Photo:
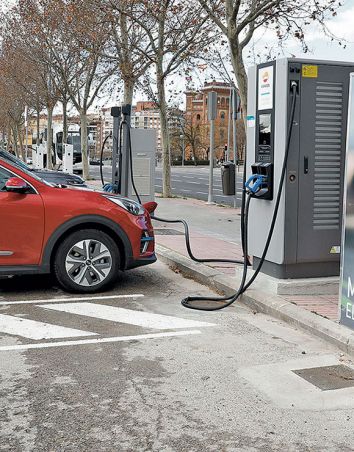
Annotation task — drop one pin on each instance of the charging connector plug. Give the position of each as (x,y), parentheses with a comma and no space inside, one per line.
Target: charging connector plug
(256,185)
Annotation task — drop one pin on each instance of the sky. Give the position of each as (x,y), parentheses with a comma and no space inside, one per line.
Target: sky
(342,26)
(320,46)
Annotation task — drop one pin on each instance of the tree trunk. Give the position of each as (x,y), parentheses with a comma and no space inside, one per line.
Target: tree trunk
(240,73)
(49,137)
(9,137)
(20,142)
(128,91)
(38,125)
(14,135)
(194,154)
(65,120)
(84,150)
(166,160)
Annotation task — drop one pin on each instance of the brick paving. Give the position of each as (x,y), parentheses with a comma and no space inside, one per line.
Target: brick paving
(207,246)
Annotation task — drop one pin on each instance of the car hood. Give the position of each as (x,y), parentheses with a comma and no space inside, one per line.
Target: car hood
(58,177)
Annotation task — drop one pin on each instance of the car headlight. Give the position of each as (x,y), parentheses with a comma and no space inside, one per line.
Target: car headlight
(131,206)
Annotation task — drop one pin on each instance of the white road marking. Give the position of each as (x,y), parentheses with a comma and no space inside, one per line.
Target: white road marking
(58,300)
(129,316)
(201,193)
(32,329)
(102,340)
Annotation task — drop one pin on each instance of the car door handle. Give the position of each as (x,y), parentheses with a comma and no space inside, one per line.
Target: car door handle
(306,165)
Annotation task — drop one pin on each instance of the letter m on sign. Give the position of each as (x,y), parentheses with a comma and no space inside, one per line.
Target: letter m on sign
(350,288)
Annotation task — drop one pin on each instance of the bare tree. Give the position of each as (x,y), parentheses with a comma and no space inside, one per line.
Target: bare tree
(21,38)
(92,70)
(176,31)
(124,37)
(238,20)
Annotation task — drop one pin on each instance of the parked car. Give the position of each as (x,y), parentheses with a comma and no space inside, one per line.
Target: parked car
(55,177)
(82,236)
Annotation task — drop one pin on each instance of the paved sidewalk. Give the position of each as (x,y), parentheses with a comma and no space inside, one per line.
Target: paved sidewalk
(215,232)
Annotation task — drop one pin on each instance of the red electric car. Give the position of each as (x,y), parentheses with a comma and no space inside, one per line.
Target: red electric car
(83,236)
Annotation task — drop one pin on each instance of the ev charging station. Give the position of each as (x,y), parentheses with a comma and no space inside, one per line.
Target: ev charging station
(307,233)
(133,157)
(68,158)
(38,156)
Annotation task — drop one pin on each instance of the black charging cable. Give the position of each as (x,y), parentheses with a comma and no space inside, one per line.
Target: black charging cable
(101,157)
(246,199)
(186,302)
(164,220)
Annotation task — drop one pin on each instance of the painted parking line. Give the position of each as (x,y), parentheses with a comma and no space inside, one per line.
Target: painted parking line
(31,329)
(60,300)
(103,340)
(128,316)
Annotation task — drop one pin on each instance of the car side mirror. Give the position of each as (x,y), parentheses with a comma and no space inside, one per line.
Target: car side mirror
(16,185)
(150,206)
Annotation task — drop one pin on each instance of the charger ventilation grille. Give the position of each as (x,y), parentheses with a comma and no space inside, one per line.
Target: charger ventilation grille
(328,156)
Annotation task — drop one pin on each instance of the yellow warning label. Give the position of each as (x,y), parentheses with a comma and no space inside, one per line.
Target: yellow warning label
(309,71)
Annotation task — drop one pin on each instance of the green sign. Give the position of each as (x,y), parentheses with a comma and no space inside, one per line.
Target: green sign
(347,273)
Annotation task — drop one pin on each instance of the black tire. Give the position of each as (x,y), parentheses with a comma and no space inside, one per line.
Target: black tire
(87,261)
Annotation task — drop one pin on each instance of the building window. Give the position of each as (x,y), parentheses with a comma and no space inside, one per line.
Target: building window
(198,117)
(222,115)
(223,101)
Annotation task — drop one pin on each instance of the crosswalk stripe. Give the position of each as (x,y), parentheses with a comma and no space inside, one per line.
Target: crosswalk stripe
(56,300)
(32,329)
(131,317)
(100,340)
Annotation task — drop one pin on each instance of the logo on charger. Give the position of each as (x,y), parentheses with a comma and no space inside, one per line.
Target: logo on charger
(265,77)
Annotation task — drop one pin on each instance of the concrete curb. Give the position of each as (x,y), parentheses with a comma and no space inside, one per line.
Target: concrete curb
(273,305)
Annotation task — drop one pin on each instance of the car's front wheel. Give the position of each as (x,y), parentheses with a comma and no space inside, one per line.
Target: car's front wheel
(87,261)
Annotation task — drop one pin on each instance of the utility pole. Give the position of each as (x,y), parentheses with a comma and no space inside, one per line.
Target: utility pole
(212,103)
(229,126)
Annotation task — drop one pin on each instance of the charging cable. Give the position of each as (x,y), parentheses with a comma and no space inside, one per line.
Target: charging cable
(248,193)
(243,285)
(164,220)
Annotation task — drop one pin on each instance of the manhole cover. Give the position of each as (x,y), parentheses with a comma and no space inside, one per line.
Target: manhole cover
(328,377)
(166,231)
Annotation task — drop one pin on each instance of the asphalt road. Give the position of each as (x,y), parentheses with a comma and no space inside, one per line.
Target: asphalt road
(193,182)
(136,372)
(189,181)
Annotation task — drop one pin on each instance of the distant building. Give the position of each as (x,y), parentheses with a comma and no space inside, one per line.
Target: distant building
(196,116)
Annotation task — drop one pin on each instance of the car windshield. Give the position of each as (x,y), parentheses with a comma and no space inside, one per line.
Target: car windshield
(13,160)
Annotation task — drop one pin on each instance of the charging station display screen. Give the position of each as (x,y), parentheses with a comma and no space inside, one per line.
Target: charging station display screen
(265,129)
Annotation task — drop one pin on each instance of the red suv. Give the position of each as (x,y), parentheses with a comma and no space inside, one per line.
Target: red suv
(81,235)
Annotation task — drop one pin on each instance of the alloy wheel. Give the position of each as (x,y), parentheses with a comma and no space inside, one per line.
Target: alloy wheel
(88,262)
